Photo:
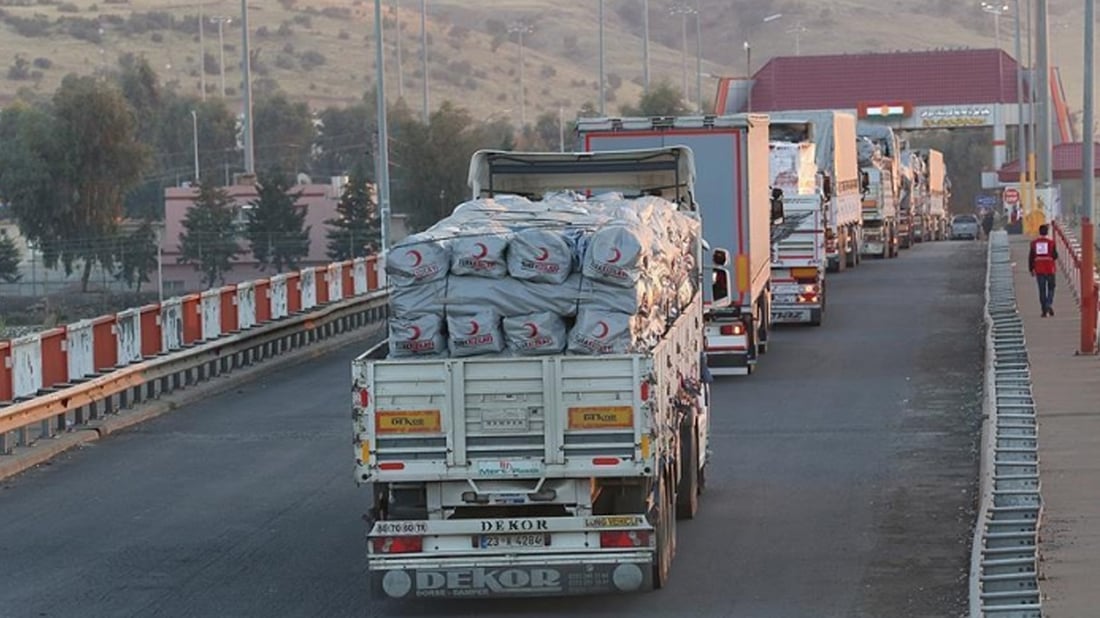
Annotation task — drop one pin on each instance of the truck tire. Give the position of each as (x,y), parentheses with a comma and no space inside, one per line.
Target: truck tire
(665,526)
(687,493)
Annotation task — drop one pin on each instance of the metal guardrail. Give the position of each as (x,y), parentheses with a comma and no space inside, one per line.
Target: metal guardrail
(77,405)
(1006,539)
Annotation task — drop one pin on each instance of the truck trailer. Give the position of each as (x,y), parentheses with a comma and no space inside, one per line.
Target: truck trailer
(835,143)
(521,476)
(731,159)
(798,237)
(879,179)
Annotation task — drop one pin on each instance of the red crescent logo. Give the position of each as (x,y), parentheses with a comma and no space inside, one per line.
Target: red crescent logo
(417,258)
(416,333)
(604,329)
(543,256)
(534,330)
(616,255)
(474,327)
(483,250)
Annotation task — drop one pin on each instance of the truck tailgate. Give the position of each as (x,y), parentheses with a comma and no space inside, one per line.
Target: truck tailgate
(497,418)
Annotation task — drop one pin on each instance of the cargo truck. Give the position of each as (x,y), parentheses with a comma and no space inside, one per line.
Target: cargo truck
(798,238)
(937,189)
(731,159)
(835,143)
(529,476)
(879,179)
(919,199)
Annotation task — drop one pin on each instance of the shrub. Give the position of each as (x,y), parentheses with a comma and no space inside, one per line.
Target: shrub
(43,63)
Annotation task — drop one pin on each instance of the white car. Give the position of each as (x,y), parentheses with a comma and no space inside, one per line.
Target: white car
(964,226)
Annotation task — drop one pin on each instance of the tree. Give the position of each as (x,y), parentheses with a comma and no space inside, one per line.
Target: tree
(9,260)
(209,240)
(284,133)
(66,172)
(276,229)
(343,139)
(663,99)
(137,256)
(356,225)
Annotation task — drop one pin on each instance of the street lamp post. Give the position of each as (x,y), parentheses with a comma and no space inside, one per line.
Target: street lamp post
(798,31)
(748,76)
(195,140)
(246,87)
(222,21)
(698,58)
(1088,155)
(202,53)
(397,38)
(1021,132)
(996,10)
(520,28)
(683,10)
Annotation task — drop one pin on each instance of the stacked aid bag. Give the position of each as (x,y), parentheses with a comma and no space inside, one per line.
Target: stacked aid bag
(563,274)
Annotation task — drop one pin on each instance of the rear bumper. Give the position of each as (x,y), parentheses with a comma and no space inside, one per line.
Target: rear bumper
(873,247)
(513,576)
(728,363)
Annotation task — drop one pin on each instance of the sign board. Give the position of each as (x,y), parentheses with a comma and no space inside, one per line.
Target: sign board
(985,200)
(1012,196)
(956,116)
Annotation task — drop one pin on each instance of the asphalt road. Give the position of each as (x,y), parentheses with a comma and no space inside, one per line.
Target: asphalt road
(842,484)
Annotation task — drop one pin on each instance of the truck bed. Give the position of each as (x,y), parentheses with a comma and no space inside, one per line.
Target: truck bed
(489,418)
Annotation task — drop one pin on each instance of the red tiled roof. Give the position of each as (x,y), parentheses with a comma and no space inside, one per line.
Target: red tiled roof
(1066,163)
(937,77)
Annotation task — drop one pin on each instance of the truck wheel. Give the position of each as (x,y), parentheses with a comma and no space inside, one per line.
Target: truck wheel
(666,532)
(687,493)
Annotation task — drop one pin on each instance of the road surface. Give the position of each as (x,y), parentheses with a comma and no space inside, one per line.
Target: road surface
(842,484)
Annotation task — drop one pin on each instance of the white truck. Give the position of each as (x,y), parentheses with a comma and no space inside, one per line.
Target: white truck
(798,238)
(835,143)
(880,177)
(938,190)
(731,157)
(536,476)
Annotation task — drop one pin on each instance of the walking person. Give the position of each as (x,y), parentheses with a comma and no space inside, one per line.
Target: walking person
(1041,262)
(987,223)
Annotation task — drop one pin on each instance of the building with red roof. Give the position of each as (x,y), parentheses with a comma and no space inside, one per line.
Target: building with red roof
(931,89)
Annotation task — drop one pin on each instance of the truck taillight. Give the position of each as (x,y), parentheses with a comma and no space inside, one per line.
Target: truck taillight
(643,390)
(364,397)
(398,545)
(624,538)
(732,330)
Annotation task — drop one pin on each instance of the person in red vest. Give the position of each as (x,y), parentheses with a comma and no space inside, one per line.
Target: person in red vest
(1041,263)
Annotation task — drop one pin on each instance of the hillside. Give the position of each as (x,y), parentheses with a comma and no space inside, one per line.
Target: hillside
(322,50)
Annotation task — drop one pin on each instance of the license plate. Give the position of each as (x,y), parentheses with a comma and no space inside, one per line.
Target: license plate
(781,299)
(504,420)
(802,315)
(509,467)
(489,541)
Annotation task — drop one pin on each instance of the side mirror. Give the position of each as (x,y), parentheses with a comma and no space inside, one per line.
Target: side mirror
(827,187)
(864,182)
(777,206)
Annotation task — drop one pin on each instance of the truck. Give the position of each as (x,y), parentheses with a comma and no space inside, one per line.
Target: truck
(937,191)
(879,179)
(731,158)
(798,238)
(496,476)
(919,202)
(835,143)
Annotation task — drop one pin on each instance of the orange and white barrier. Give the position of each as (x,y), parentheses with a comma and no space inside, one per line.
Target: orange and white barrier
(82,350)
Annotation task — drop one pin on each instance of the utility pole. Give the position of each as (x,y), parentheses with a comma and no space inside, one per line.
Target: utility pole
(561,129)
(520,28)
(202,53)
(246,87)
(603,79)
(645,46)
(1043,60)
(797,31)
(383,147)
(424,57)
(748,76)
(222,21)
(1021,133)
(698,58)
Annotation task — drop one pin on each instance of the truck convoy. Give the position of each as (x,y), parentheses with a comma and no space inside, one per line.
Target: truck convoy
(930,188)
(539,417)
(731,158)
(879,180)
(835,143)
(798,238)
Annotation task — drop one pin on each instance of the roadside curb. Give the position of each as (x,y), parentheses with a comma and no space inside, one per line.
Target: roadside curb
(44,450)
